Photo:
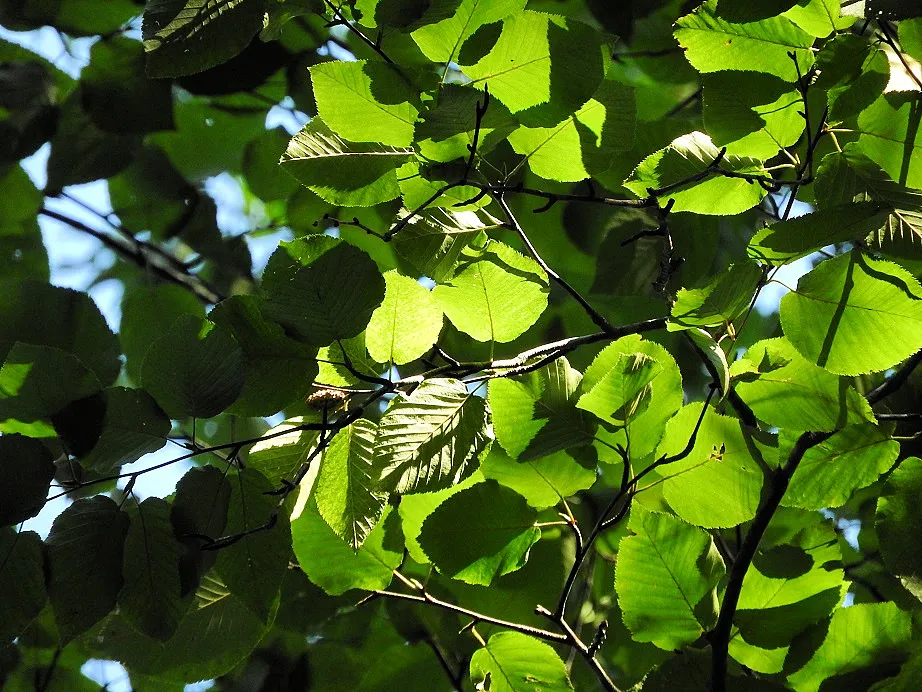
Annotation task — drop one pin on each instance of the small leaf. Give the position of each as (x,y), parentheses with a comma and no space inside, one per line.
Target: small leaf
(495,294)
(84,551)
(345,487)
(898,519)
(890,136)
(618,396)
(22,580)
(187,36)
(334,566)
(544,481)
(321,289)
(688,156)
(341,172)
(279,370)
(195,369)
(480,534)
(792,239)
(786,391)
(847,303)
(432,438)
(150,598)
(515,662)
(406,324)
(432,242)
(716,301)
(862,635)
(712,44)
(365,101)
(536,414)
(664,570)
(831,471)
(26,471)
(253,567)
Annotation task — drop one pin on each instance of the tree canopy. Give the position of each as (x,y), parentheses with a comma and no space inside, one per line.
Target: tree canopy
(499,345)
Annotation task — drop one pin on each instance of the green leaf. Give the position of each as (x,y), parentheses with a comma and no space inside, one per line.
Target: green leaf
(787,392)
(84,552)
(898,519)
(544,481)
(321,289)
(116,93)
(365,102)
(406,324)
(36,382)
(644,430)
(542,62)
(851,176)
(280,456)
(718,484)
(861,635)
(279,370)
(664,571)
(253,567)
(716,301)
(415,509)
(495,294)
(345,487)
(853,72)
(148,312)
(586,141)
(133,425)
(844,305)
(195,369)
(890,136)
(444,132)
(187,36)
(831,471)
(789,587)
(623,390)
(264,176)
(22,580)
(82,152)
(711,349)
(712,44)
(751,113)
(910,35)
(514,662)
(334,566)
(90,338)
(480,534)
(21,248)
(441,40)
(536,414)
(26,470)
(792,239)
(341,172)
(689,156)
(150,598)
(187,656)
(432,242)
(432,438)
(819,17)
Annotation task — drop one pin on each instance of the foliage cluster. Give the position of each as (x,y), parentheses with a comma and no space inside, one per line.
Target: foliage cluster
(498,412)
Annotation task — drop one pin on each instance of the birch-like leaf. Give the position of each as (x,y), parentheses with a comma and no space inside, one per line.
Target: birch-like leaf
(432,438)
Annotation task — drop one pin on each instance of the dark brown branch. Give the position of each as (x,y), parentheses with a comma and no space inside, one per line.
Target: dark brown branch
(171,270)
(895,381)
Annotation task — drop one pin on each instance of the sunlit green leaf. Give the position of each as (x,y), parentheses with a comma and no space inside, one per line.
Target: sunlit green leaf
(406,324)
(544,481)
(515,662)
(890,136)
(844,305)
(664,571)
(441,40)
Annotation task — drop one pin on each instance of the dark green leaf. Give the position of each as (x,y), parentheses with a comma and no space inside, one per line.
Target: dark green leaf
(480,533)
(22,580)
(26,470)
(195,369)
(431,439)
(84,551)
(321,289)
(898,519)
(150,598)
